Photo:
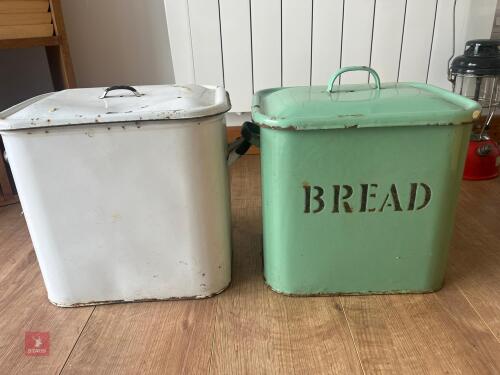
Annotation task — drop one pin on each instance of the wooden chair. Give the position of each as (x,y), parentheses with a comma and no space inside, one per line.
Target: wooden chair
(35,23)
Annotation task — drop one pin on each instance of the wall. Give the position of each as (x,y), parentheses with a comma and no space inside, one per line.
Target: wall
(118,42)
(495,33)
(111,42)
(23,73)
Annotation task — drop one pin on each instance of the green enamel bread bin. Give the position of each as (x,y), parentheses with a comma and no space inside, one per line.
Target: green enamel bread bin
(359,184)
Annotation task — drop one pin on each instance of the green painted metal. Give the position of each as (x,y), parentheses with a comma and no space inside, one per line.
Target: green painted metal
(338,73)
(391,233)
(395,104)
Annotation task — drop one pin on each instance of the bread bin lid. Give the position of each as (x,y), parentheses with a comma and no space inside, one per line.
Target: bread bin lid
(116,104)
(362,105)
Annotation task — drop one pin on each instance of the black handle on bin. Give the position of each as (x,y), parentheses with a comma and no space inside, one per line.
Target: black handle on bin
(242,148)
(120,87)
(251,133)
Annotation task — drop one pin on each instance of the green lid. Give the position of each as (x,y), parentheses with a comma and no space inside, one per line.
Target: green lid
(346,106)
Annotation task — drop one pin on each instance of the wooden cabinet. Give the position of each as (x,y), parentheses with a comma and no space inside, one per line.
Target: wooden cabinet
(35,23)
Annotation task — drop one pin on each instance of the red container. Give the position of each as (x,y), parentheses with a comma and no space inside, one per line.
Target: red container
(482,161)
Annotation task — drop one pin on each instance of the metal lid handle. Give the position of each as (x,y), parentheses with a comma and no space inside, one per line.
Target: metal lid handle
(120,87)
(352,69)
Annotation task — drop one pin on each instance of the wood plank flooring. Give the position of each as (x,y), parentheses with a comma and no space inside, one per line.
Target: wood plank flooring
(249,329)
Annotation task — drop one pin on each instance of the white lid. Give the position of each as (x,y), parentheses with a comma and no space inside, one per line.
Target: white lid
(121,104)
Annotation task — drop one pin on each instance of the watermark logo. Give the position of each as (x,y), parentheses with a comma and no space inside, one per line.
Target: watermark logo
(36,343)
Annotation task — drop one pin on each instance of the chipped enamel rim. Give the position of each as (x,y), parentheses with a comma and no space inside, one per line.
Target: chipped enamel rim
(469,110)
(173,102)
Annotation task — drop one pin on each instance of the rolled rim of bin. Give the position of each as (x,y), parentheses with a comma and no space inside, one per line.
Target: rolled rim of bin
(328,115)
(194,101)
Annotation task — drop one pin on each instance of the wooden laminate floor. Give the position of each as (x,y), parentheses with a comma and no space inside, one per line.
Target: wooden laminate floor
(249,329)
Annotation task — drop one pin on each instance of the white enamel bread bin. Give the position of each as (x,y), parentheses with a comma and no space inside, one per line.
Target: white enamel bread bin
(125,191)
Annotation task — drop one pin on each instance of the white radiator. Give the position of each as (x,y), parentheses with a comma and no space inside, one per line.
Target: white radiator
(249,45)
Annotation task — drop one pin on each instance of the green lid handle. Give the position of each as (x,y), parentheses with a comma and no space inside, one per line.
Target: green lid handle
(353,69)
